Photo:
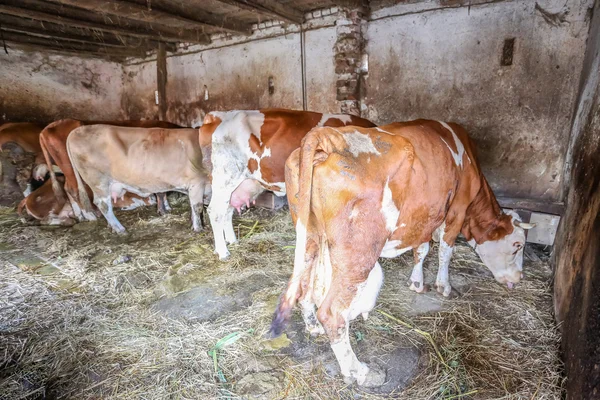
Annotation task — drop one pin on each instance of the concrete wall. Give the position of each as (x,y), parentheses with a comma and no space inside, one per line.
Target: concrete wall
(43,87)
(235,72)
(577,249)
(444,63)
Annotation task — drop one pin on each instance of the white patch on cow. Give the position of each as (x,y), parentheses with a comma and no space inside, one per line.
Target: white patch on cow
(504,257)
(383,131)
(402,225)
(349,365)
(388,208)
(266,153)
(344,118)
(299,264)
(323,274)
(136,202)
(354,213)
(359,143)
(27,190)
(445,254)
(366,294)
(230,155)
(417,273)
(391,250)
(458,156)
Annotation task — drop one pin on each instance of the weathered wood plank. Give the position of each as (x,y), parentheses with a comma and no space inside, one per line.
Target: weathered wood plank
(271,8)
(547,207)
(71,46)
(156,16)
(184,35)
(161,81)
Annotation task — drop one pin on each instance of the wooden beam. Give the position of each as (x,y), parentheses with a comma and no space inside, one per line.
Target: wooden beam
(548,207)
(73,47)
(141,13)
(189,36)
(161,81)
(271,8)
(17,24)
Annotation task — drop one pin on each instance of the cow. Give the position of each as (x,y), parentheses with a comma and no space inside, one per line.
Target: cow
(53,141)
(358,194)
(25,135)
(43,206)
(245,153)
(113,160)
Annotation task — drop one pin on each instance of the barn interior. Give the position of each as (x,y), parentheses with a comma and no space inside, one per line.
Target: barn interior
(89,314)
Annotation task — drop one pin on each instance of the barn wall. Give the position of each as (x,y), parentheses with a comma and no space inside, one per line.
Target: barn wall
(431,61)
(577,249)
(43,87)
(235,72)
(235,77)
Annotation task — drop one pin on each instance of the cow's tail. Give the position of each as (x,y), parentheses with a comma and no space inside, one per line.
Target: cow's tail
(86,204)
(310,145)
(22,205)
(57,188)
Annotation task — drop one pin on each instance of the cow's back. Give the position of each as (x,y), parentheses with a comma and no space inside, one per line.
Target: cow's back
(24,134)
(149,158)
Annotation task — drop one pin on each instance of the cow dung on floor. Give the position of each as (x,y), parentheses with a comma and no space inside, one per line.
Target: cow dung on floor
(155,314)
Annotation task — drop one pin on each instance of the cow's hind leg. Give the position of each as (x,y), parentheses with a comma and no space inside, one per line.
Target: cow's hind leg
(230,237)
(104,204)
(344,301)
(307,285)
(416,277)
(162,204)
(196,195)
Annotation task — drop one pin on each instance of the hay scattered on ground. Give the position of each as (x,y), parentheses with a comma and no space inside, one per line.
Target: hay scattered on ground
(77,318)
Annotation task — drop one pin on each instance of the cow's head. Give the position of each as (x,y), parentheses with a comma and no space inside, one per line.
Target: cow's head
(502,248)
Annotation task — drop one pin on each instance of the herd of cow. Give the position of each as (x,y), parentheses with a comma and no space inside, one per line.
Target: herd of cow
(356,192)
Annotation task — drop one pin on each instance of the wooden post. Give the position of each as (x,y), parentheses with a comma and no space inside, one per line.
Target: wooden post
(161,80)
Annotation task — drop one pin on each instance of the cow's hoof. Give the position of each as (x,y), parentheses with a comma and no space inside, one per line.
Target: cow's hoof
(443,289)
(223,257)
(418,287)
(374,378)
(315,330)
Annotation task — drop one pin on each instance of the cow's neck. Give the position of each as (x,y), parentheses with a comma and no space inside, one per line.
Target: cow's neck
(483,215)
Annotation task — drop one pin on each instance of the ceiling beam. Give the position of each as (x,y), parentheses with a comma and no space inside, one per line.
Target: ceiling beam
(271,8)
(140,13)
(70,46)
(186,35)
(17,24)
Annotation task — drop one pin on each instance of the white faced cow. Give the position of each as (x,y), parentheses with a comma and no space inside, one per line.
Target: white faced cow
(357,194)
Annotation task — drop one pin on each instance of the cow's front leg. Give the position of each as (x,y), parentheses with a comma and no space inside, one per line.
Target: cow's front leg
(217,213)
(104,204)
(416,277)
(442,281)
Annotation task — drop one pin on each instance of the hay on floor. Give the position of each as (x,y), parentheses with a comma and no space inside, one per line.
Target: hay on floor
(78,318)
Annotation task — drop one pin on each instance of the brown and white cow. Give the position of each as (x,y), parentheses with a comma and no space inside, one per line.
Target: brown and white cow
(25,135)
(358,194)
(53,141)
(43,206)
(245,152)
(114,160)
